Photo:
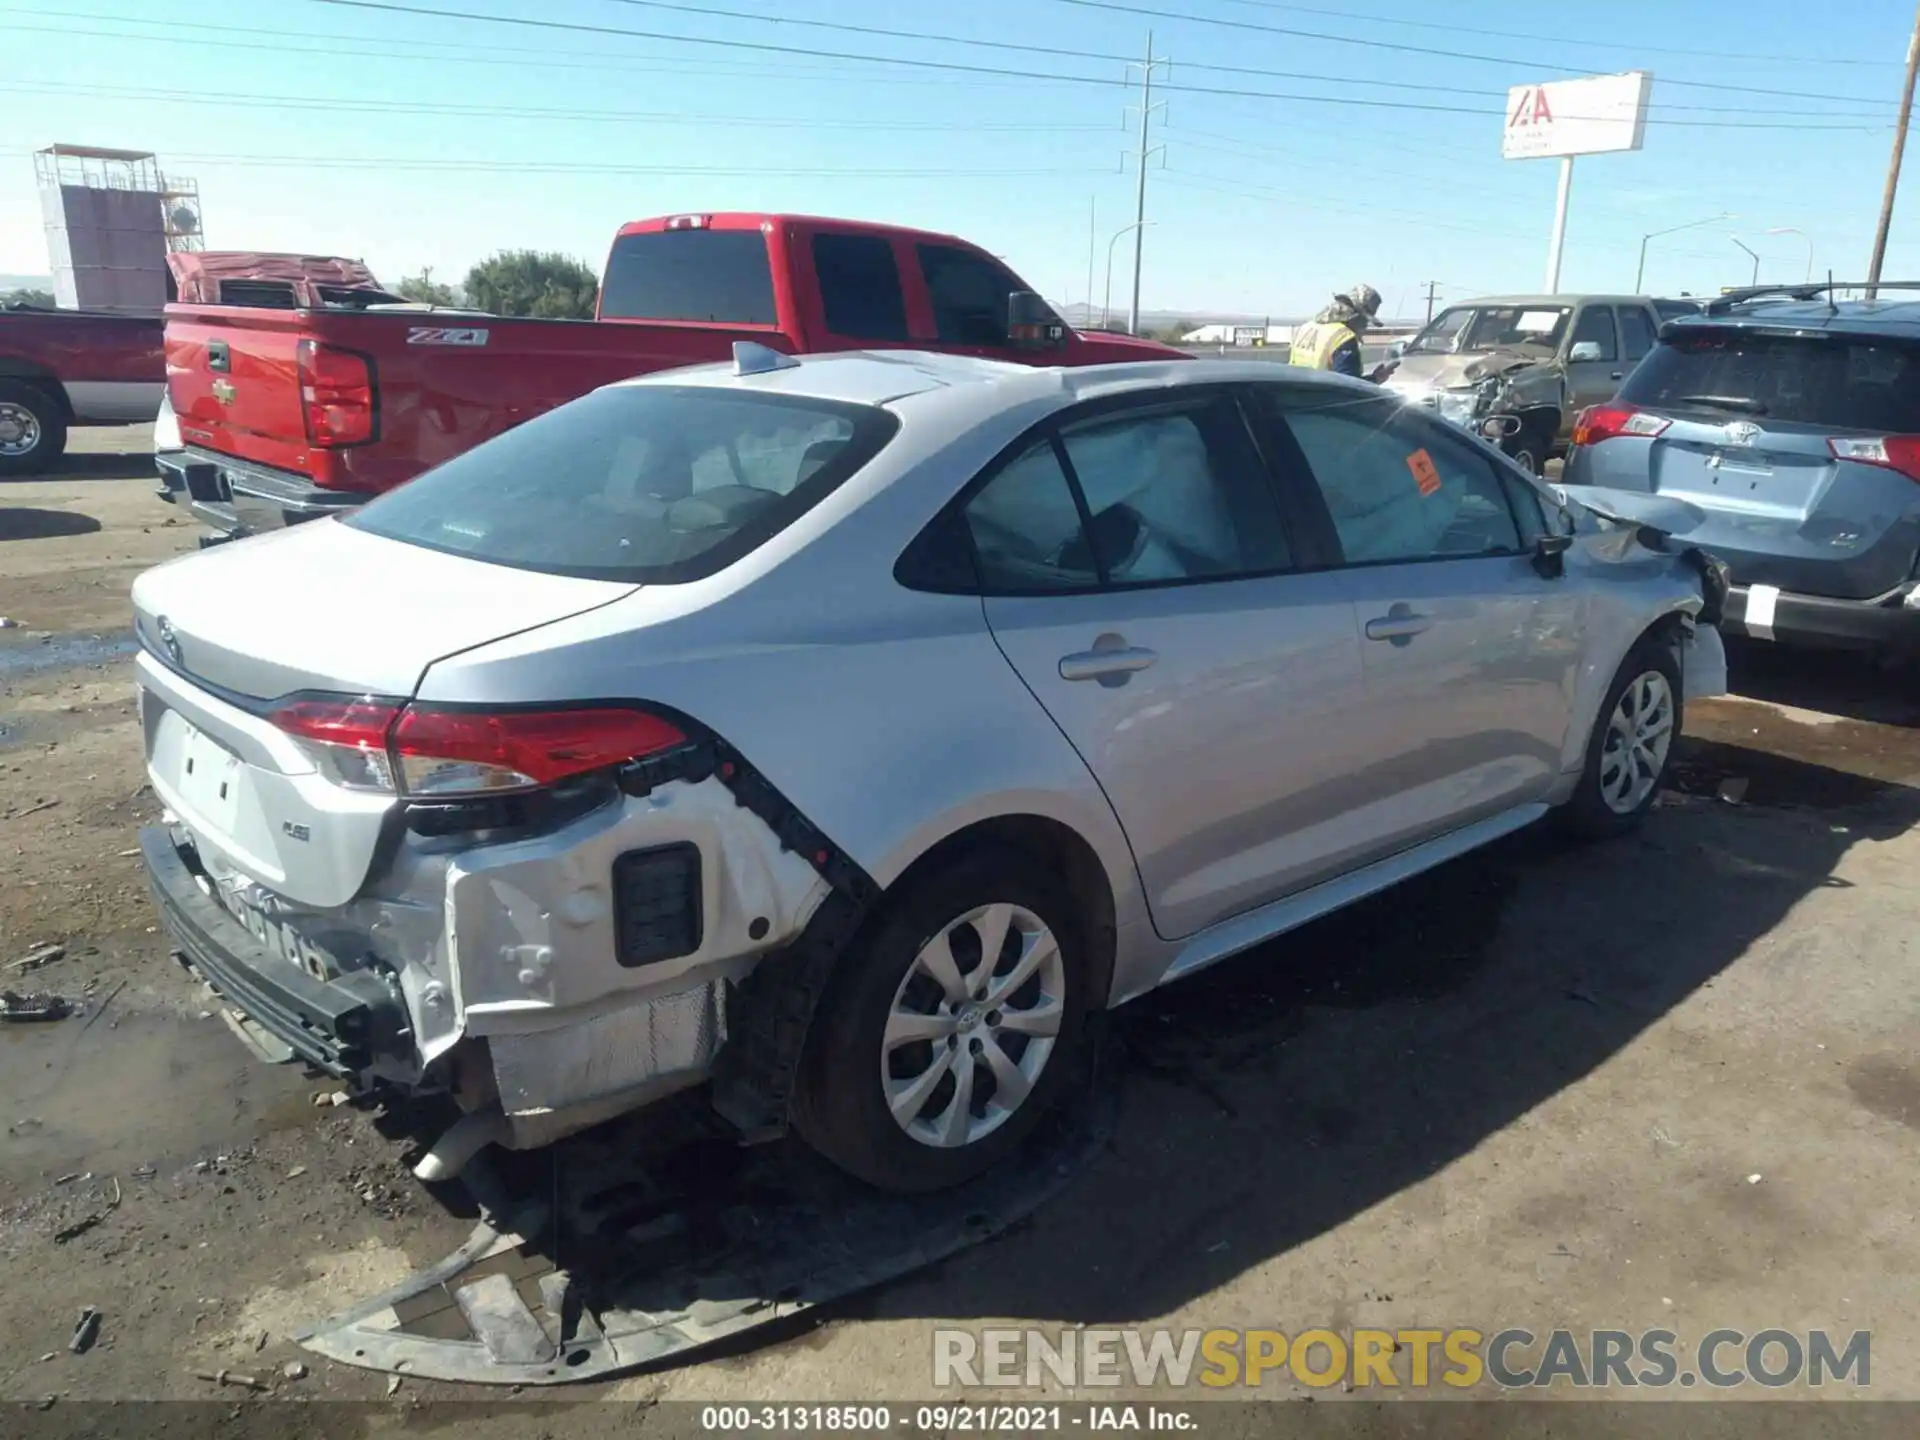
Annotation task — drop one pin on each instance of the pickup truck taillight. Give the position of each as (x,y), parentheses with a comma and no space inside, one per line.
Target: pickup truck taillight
(336,395)
(429,752)
(1604,422)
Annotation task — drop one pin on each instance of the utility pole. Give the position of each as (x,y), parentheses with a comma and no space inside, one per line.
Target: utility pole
(1433,288)
(1093,201)
(1893,165)
(1140,199)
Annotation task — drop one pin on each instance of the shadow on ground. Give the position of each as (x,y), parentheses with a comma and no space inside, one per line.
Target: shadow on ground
(1830,682)
(19,523)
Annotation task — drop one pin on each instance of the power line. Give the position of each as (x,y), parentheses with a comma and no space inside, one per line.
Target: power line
(543,167)
(1636,48)
(405,107)
(1150,13)
(953,65)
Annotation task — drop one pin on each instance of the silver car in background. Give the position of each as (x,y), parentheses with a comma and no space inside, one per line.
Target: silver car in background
(849,732)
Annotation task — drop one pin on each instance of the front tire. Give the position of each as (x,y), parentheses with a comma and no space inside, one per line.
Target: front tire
(1528,449)
(952,1029)
(1631,746)
(33,430)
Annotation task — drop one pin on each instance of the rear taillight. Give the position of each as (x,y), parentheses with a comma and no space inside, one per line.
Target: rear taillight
(1604,422)
(336,395)
(437,753)
(1894,452)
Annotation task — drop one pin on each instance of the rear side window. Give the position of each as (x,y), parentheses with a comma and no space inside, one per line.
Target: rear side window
(860,286)
(1841,382)
(642,484)
(722,276)
(969,294)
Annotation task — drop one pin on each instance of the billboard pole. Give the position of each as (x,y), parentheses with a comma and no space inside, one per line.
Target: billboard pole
(1559,240)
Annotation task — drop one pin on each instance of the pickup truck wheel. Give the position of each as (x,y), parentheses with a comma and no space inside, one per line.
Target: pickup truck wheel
(1631,746)
(33,431)
(951,1031)
(1528,448)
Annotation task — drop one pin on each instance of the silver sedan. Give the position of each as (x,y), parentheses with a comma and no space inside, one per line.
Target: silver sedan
(845,733)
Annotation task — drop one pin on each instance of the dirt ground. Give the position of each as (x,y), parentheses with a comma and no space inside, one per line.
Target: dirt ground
(1666,1082)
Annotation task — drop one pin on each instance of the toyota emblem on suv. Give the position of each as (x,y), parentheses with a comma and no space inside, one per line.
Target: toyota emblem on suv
(1743,432)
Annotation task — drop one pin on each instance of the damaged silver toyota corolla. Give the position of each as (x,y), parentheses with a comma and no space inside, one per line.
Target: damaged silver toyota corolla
(848,733)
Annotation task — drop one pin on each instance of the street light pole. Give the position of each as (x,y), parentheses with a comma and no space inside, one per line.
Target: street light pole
(1640,275)
(1106,306)
(1756,259)
(1140,195)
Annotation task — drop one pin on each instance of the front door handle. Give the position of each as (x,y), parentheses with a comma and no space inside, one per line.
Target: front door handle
(1109,667)
(1403,626)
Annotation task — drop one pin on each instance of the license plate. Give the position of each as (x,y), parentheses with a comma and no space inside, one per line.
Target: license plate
(210,779)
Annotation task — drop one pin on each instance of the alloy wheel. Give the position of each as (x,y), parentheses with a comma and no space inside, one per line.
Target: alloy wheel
(972,1025)
(1639,734)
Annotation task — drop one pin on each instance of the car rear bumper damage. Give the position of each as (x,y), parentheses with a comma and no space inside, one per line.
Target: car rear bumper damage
(1886,622)
(237,498)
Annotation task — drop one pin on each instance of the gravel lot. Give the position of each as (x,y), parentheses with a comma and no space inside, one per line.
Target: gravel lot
(1666,1082)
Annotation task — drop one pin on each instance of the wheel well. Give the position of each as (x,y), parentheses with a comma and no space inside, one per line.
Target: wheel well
(1051,844)
(25,372)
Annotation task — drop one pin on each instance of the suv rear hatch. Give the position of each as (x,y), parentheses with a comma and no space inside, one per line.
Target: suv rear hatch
(232,635)
(1791,443)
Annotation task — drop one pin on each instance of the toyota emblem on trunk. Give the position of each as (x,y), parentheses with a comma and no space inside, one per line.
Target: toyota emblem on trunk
(168,639)
(1743,433)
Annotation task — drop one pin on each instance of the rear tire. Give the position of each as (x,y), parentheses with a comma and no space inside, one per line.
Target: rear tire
(33,429)
(1631,747)
(929,1061)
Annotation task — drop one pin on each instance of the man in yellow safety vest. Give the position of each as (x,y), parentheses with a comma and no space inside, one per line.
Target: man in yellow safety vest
(1331,341)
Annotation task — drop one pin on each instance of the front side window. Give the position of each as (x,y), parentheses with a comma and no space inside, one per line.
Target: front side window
(1636,332)
(1398,487)
(1596,325)
(639,484)
(969,294)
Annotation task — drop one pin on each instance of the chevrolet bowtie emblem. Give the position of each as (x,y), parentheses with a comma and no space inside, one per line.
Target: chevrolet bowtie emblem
(223,391)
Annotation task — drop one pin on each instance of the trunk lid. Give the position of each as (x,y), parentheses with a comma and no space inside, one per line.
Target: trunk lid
(319,607)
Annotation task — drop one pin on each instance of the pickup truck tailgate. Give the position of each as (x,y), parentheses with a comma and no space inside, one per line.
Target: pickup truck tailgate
(233,381)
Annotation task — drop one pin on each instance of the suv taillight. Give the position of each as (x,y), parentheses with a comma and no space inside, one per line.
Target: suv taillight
(1893,452)
(1604,422)
(442,753)
(336,395)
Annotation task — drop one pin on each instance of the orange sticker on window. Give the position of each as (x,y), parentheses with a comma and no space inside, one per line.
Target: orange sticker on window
(1424,473)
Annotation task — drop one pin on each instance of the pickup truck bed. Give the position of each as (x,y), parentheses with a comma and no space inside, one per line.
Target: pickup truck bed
(60,368)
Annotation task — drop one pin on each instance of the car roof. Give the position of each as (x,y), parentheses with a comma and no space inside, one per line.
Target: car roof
(890,377)
(1550,301)
(1868,317)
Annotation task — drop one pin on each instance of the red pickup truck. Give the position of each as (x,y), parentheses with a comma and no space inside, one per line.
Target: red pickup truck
(60,368)
(290,415)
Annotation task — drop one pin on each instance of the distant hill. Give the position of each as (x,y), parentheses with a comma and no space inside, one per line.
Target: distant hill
(26,282)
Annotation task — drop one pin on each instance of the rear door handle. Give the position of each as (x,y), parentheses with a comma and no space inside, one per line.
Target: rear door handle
(1397,627)
(1105,664)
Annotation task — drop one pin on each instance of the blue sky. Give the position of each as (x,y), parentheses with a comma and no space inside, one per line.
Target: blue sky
(416,140)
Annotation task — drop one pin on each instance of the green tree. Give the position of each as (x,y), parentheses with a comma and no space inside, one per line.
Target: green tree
(41,298)
(426,290)
(544,285)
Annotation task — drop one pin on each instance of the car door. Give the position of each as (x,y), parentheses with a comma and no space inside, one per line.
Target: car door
(968,293)
(1592,381)
(855,300)
(1469,653)
(1140,574)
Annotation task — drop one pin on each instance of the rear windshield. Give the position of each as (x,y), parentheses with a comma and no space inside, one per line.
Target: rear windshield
(643,484)
(722,276)
(1840,382)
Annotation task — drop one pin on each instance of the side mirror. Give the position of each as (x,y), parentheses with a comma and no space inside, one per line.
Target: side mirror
(1550,555)
(1584,352)
(1032,323)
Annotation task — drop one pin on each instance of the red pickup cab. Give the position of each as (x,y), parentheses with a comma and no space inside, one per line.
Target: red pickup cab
(286,416)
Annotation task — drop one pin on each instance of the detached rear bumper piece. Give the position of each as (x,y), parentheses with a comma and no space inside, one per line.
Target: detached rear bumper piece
(1886,622)
(237,498)
(340,1026)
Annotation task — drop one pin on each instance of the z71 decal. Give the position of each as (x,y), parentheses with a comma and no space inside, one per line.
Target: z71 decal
(434,335)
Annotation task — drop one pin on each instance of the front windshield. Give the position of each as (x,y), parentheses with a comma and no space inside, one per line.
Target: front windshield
(1491,327)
